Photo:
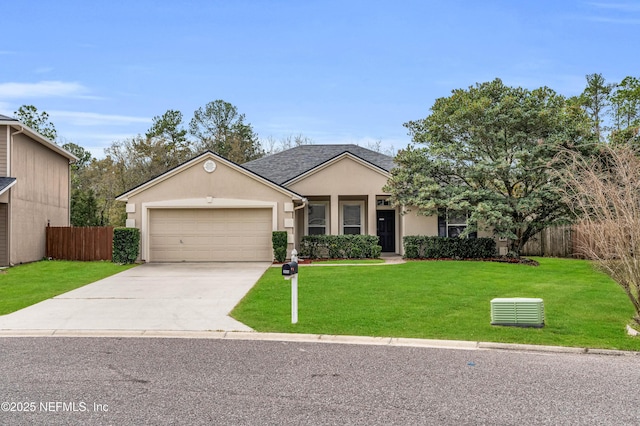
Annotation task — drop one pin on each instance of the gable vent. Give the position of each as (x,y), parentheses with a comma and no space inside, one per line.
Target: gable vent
(517,311)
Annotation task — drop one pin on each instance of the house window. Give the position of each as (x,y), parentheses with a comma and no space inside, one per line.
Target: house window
(453,224)
(317,218)
(352,219)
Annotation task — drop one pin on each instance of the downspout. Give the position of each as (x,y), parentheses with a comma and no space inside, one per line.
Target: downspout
(303,205)
(9,209)
(10,147)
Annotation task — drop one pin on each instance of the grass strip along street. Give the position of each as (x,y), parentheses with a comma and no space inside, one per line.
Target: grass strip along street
(25,285)
(445,300)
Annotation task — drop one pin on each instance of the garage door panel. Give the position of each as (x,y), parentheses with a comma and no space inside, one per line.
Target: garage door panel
(247,241)
(205,235)
(165,255)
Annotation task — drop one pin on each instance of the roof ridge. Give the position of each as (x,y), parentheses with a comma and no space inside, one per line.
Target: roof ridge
(301,159)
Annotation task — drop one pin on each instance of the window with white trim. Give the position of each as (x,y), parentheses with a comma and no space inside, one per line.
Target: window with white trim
(351,217)
(318,218)
(453,224)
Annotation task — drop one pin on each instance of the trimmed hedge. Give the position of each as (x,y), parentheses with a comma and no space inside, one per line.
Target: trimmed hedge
(422,247)
(340,247)
(126,245)
(279,240)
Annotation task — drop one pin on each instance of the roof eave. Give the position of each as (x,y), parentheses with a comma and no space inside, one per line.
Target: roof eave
(39,138)
(338,157)
(6,188)
(169,173)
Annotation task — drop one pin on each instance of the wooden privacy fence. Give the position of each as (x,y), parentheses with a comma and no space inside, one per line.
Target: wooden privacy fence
(557,241)
(82,243)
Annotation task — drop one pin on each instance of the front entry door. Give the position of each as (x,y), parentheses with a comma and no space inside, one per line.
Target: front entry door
(387,230)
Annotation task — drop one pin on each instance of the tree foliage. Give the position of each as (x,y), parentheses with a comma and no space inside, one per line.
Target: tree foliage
(487,152)
(595,100)
(108,178)
(84,208)
(626,103)
(220,128)
(84,205)
(36,120)
(84,156)
(167,140)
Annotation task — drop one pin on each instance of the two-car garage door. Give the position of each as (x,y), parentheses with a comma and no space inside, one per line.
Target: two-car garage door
(210,235)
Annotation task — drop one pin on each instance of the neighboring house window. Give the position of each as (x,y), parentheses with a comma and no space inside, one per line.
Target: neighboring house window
(317,218)
(352,217)
(453,224)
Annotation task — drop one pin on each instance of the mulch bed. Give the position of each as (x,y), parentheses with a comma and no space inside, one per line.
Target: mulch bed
(521,260)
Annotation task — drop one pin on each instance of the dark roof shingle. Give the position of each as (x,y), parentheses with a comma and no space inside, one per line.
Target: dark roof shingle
(5,182)
(286,165)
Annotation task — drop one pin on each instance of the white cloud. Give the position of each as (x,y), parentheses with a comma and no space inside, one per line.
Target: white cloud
(618,13)
(78,118)
(41,89)
(621,21)
(622,7)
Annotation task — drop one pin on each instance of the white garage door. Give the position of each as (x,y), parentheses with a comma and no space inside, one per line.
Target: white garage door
(210,235)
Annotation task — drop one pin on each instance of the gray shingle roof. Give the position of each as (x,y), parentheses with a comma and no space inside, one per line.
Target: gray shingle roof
(5,118)
(5,182)
(286,165)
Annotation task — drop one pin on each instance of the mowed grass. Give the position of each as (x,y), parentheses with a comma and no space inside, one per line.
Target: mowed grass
(25,285)
(445,300)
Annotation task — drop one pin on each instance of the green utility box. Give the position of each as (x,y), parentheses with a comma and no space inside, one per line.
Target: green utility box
(517,312)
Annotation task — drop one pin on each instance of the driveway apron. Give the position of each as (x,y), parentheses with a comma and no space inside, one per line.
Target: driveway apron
(152,296)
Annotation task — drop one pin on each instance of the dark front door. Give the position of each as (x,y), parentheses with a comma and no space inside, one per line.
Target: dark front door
(387,230)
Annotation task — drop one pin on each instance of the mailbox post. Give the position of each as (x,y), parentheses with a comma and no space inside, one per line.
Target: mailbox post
(290,272)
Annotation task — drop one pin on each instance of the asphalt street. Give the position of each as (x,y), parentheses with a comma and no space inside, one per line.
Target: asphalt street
(67,381)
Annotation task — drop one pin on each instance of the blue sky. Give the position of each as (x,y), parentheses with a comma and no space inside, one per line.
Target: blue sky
(335,71)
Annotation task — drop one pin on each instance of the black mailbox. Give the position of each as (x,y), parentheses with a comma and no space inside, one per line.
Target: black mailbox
(290,268)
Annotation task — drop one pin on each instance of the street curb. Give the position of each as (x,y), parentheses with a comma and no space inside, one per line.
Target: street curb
(318,338)
(531,348)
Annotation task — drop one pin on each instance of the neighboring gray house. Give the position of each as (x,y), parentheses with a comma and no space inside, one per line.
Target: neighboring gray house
(34,191)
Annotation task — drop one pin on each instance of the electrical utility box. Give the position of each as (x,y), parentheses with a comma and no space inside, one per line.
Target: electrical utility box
(517,312)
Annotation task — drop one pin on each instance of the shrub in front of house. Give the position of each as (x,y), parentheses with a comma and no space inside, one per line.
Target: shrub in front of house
(340,247)
(423,247)
(126,245)
(279,240)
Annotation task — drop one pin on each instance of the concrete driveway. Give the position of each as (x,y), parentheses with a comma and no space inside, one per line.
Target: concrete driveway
(153,296)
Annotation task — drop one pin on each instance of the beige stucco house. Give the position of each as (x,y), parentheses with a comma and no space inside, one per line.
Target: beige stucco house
(34,191)
(211,209)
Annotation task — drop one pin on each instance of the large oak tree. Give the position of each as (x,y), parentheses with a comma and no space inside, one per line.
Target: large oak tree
(487,152)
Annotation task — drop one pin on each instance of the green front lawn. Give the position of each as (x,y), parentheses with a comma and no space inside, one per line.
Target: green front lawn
(24,285)
(445,300)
